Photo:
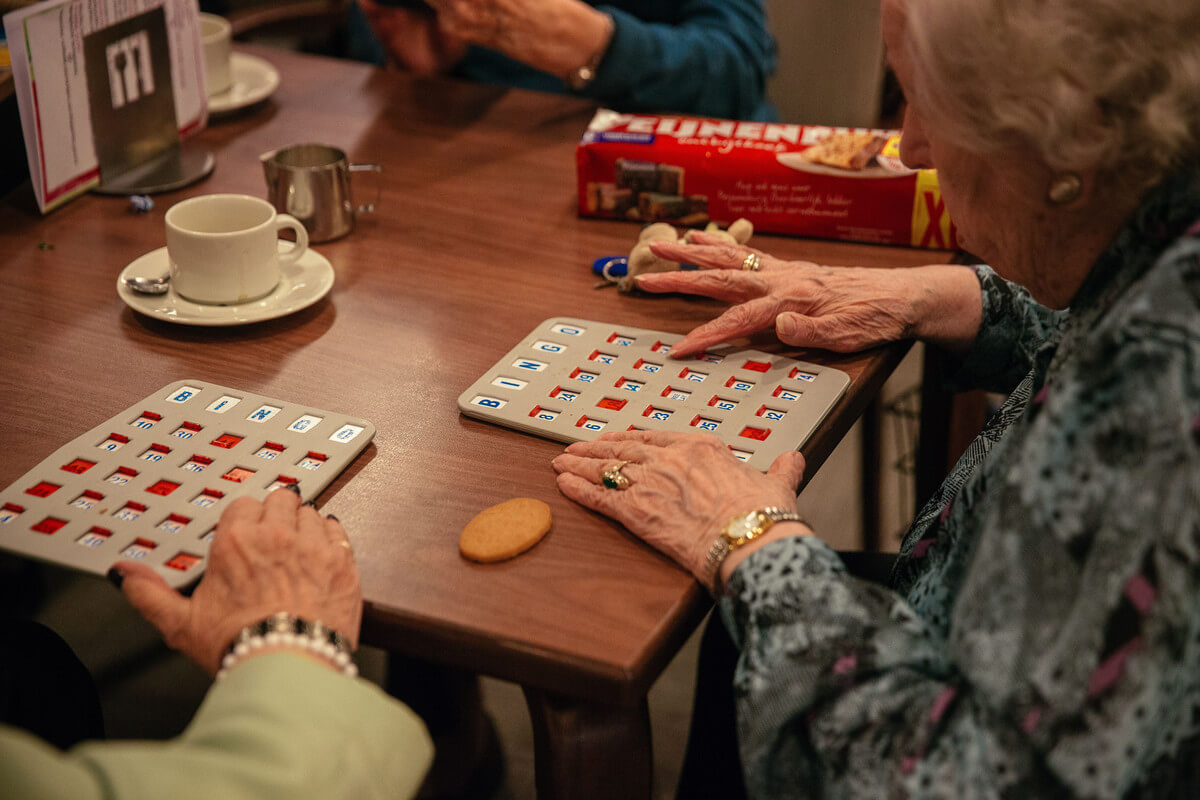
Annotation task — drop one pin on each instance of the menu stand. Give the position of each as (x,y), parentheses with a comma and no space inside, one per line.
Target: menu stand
(175,169)
(132,106)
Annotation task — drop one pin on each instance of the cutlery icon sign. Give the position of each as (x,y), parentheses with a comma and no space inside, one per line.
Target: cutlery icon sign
(129,74)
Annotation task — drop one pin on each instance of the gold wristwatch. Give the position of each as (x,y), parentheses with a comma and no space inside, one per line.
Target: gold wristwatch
(742,529)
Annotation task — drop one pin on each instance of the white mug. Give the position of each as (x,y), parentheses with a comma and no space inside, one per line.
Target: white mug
(217,37)
(224,248)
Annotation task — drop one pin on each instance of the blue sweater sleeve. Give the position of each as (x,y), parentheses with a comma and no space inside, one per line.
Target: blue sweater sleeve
(704,57)
(713,61)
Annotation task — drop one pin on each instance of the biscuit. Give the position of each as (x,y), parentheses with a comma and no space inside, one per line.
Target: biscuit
(505,530)
(846,150)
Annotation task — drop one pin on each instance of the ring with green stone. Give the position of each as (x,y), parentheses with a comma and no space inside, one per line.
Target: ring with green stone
(613,479)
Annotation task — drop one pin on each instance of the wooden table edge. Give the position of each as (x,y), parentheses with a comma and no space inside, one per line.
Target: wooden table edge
(537,667)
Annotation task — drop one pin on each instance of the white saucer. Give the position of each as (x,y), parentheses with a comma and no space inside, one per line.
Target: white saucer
(254,80)
(302,284)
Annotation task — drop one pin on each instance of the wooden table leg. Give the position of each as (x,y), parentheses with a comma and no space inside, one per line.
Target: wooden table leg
(586,751)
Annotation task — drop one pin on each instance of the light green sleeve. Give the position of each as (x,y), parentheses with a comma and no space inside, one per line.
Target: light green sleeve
(277,726)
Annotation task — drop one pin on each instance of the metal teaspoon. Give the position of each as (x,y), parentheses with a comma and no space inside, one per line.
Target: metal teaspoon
(144,285)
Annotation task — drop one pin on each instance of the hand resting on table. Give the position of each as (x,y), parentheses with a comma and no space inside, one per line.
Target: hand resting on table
(266,557)
(844,309)
(684,488)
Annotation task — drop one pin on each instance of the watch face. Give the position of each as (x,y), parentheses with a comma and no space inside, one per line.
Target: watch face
(741,527)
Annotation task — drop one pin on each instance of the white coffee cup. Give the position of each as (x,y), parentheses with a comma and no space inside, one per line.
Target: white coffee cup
(224,248)
(217,38)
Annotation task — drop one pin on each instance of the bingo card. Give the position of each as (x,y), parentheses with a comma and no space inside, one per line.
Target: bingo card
(150,483)
(572,380)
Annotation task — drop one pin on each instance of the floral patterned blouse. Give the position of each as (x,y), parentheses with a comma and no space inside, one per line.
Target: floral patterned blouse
(1041,634)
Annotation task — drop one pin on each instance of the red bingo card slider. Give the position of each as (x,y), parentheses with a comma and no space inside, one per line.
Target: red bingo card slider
(238,474)
(760,434)
(43,489)
(49,525)
(184,561)
(227,440)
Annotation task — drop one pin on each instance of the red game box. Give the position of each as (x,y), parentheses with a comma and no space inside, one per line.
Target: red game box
(808,180)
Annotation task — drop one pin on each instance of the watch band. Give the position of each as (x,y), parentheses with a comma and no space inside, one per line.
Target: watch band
(581,77)
(743,529)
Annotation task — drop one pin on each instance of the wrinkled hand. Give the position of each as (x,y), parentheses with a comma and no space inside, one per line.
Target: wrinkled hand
(555,36)
(266,557)
(684,488)
(844,309)
(414,39)
(480,21)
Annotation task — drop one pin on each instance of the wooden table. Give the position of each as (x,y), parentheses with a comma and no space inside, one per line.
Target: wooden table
(475,242)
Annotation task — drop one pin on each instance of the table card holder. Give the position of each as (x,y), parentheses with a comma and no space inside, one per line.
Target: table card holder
(107,92)
(133,109)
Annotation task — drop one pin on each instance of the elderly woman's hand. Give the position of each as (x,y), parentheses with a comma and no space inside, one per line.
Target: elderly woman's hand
(684,488)
(266,557)
(555,36)
(413,38)
(844,309)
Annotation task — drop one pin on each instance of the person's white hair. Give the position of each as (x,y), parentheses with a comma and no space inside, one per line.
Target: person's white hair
(1112,85)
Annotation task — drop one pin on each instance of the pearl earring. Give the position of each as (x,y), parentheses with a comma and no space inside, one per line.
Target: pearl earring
(1065,189)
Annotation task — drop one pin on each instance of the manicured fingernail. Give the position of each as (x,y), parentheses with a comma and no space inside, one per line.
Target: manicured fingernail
(115,577)
(309,503)
(332,517)
(293,487)
(785,325)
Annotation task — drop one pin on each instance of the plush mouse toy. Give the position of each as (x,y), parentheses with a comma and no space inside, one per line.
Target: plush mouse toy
(643,260)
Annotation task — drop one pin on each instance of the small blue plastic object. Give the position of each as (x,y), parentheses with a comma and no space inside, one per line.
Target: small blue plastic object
(140,203)
(611,266)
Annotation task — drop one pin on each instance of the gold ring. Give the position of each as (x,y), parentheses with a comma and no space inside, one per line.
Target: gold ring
(752,262)
(346,544)
(613,479)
